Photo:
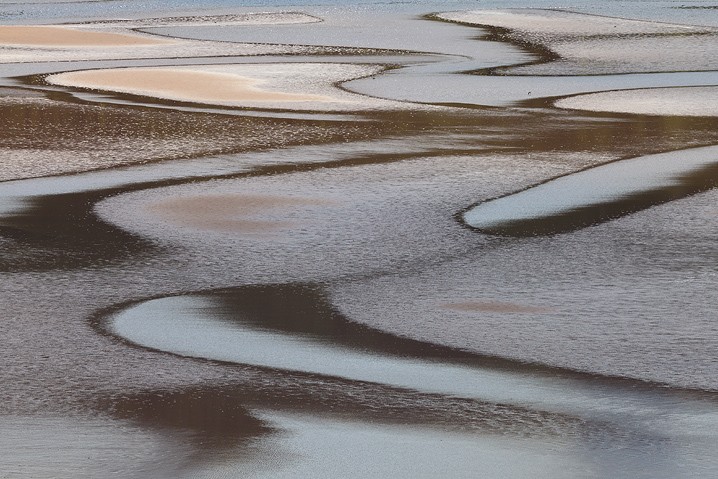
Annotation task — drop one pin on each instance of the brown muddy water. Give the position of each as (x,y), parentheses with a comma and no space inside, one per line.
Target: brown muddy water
(358,240)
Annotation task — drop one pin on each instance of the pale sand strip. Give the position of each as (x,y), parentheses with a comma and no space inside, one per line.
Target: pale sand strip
(179,84)
(52,36)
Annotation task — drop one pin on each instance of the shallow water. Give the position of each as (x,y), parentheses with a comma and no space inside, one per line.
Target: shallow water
(598,194)
(209,290)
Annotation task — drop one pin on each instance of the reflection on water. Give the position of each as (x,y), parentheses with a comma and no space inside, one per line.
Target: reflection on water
(67,448)
(317,447)
(291,328)
(213,420)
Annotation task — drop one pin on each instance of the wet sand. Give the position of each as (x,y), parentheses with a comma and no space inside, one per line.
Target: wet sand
(360,312)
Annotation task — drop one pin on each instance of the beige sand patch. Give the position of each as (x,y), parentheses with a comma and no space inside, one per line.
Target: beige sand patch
(51,36)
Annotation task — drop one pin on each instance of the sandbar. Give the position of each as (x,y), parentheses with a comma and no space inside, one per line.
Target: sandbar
(54,36)
(180,84)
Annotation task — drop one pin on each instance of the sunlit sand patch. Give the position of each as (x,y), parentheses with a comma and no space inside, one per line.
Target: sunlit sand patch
(306,86)
(55,36)
(688,101)
(179,84)
(493,307)
(232,213)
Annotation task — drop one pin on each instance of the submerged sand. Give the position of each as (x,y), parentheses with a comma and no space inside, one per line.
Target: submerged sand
(231,213)
(53,36)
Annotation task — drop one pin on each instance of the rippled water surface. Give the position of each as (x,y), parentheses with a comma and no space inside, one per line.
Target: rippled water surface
(424,239)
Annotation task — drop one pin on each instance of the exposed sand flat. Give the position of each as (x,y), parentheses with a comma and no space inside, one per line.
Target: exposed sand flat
(55,36)
(688,101)
(232,213)
(179,84)
(306,86)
